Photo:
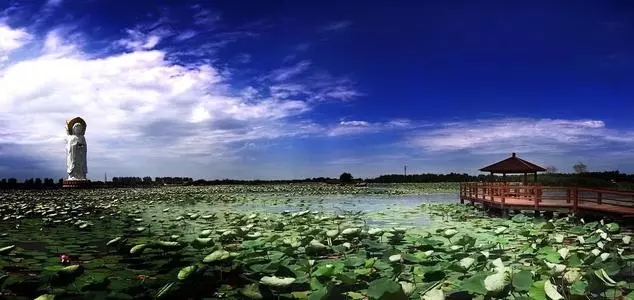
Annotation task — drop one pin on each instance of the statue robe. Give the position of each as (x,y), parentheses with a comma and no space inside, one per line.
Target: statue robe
(76,149)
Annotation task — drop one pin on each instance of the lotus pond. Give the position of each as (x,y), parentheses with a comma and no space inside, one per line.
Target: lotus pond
(299,241)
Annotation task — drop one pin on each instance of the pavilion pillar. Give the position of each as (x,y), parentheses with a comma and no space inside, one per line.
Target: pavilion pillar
(525,179)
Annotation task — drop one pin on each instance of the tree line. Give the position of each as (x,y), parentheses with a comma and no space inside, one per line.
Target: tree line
(147,181)
(581,177)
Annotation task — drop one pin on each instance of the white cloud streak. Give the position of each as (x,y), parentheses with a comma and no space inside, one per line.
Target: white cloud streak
(521,135)
(354,127)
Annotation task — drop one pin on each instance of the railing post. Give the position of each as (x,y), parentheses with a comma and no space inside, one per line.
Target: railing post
(599,198)
(575,204)
(567,195)
(538,192)
(489,192)
(535,198)
(470,190)
(503,194)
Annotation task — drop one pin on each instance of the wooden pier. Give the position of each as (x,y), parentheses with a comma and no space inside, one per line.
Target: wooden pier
(516,196)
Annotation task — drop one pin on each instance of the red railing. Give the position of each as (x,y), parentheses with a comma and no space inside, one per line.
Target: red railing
(544,197)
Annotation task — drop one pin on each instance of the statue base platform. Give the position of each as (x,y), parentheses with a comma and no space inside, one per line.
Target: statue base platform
(70,183)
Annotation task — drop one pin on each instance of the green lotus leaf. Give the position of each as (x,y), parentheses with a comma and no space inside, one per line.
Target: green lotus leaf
(496,282)
(186,272)
(277,281)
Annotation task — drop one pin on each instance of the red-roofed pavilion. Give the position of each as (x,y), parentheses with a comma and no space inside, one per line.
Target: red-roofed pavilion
(514,165)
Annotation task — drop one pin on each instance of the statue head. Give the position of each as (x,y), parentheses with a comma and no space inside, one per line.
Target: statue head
(70,126)
(78,129)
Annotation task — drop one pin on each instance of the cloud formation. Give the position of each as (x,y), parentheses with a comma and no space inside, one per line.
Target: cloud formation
(144,111)
(167,99)
(364,127)
(524,135)
(10,40)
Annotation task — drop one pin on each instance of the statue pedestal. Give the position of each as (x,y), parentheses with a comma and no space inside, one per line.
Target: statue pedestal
(73,183)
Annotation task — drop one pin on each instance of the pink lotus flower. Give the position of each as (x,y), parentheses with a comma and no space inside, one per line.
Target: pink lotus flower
(64,259)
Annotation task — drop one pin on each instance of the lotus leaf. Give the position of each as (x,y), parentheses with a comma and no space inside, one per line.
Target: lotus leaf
(408,287)
(332,233)
(277,281)
(551,291)
(385,288)
(612,228)
(434,294)
(450,232)
(186,272)
(395,258)
(315,244)
(375,231)
(7,249)
(217,255)
(114,241)
(572,275)
(579,288)
(496,282)
(350,231)
(563,252)
(251,291)
(138,249)
(522,280)
(557,268)
(466,263)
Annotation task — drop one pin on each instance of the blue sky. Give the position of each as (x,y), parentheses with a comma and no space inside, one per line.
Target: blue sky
(295,89)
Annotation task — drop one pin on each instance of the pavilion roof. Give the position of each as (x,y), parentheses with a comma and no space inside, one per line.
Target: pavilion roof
(513,165)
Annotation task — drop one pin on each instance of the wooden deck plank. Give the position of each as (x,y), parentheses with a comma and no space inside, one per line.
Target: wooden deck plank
(556,198)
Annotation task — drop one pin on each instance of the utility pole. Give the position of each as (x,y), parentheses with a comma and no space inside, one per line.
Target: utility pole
(105,177)
(405,170)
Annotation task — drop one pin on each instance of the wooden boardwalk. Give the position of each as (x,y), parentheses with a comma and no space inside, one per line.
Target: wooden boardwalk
(508,196)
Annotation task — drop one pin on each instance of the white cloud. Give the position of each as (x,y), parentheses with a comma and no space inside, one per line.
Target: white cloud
(314,85)
(11,39)
(286,73)
(144,113)
(522,135)
(364,127)
(137,40)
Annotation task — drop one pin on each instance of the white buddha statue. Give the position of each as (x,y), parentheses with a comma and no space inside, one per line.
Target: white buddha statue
(76,149)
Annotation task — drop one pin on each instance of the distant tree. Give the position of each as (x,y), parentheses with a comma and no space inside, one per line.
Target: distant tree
(580,168)
(345,177)
(551,169)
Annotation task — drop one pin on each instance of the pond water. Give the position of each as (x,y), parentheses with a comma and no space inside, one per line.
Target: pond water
(364,203)
(378,210)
